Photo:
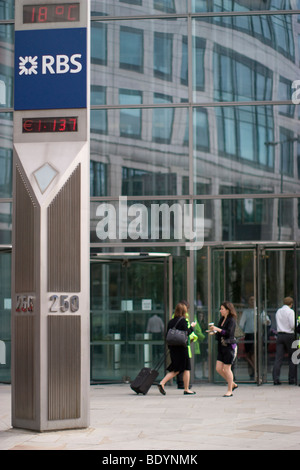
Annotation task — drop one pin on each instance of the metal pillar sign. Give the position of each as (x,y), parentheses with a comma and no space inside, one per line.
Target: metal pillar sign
(50,265)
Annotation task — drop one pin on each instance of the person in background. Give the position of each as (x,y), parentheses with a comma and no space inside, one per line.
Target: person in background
(227,346)
(247,325)
(285,321)
(191,338)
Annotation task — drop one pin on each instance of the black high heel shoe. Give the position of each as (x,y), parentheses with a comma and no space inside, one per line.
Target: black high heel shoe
(161,389)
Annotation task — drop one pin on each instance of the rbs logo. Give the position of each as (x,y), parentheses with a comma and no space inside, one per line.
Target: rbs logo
(59,64)
(51,69)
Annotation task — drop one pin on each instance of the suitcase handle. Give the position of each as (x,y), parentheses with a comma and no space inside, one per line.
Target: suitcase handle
(160,362)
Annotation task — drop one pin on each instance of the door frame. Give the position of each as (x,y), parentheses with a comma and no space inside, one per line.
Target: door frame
(125,257)
(259,292)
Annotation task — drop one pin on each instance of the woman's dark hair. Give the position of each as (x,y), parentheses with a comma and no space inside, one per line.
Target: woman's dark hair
(180,310)
(229,306)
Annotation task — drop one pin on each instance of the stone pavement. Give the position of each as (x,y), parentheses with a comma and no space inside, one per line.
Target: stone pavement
(255,418)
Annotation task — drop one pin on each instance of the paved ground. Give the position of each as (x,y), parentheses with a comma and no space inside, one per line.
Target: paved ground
(265,418)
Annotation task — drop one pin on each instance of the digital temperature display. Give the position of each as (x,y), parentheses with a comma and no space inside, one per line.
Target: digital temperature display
(51,13)
(50,124)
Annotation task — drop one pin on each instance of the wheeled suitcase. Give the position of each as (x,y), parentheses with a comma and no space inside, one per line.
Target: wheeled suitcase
(146,378)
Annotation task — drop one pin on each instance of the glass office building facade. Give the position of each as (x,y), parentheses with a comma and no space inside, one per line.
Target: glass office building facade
(192,104)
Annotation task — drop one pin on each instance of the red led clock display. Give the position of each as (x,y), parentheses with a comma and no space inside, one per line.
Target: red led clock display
(51,13)
(53,124)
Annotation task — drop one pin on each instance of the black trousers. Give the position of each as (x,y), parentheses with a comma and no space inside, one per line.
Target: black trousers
(284,346)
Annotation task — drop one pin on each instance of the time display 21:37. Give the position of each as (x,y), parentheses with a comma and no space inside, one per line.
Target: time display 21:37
(49,124)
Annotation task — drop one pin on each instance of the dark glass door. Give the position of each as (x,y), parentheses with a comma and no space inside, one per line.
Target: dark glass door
(277,279)
(129,310)
(256,280)
(233,279)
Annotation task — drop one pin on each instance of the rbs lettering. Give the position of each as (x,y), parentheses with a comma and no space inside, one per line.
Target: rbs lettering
(61,64)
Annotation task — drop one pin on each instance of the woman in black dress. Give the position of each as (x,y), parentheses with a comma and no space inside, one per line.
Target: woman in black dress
(180,361)
(227,347)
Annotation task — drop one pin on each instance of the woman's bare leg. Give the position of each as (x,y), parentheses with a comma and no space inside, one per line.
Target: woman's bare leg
(168,376)
(225,371)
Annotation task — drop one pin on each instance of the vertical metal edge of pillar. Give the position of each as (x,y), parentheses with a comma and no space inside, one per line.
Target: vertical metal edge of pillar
(25,408)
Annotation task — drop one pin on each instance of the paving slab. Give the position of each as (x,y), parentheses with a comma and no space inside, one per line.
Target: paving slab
(255,418)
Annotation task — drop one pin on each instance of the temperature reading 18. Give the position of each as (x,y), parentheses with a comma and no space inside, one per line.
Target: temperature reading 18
(51,13)
(50,124)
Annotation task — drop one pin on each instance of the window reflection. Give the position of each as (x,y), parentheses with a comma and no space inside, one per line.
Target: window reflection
(163,55)
(130,119)
(153,54)
(146,55)
(284,94)
(5,223)
(145,183)
(247,219)
(249,148)
(201,129)
(162,121)
(135,7)
(238,78)
(199,6)
(6,133)
(98,178)
(7,9)
(6,66)
(242,133)
(149,145)
(98,43)
(132,49)
(275,31)
(168,6)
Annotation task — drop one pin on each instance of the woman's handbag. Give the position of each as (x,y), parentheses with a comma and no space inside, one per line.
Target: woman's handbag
(176,337)
(238,334)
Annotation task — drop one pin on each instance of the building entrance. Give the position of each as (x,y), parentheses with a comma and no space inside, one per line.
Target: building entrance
(131,301)
(255,279)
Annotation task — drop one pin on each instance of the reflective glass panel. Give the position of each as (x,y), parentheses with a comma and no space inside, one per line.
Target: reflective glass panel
(251,219)
(199,6)
(6,145)
(249,54)
(224,220)
(159,221)
(5,223)
(129,304)
(7,9)
(245,150)
(140,152)
(137,7)
(6,65)
(147,57)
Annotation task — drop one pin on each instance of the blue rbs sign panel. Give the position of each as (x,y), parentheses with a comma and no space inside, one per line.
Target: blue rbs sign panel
(50,69)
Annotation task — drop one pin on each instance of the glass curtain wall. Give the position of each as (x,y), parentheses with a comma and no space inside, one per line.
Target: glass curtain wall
(196,110)
(6,145)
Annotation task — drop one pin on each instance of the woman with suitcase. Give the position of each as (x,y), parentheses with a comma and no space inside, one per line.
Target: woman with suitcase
(180,361)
